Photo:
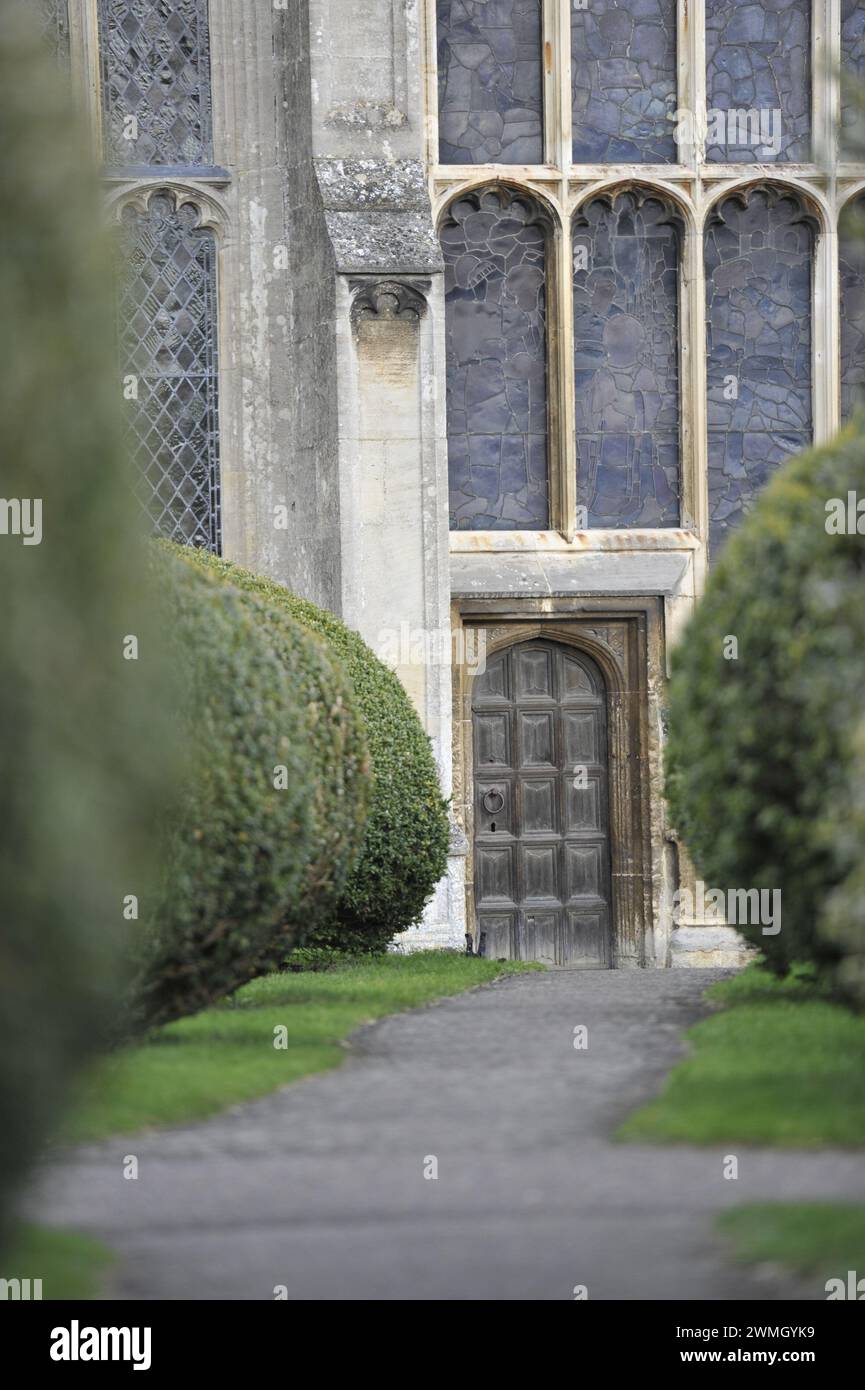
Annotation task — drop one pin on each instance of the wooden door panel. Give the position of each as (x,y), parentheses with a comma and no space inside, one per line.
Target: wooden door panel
(542,879)
(501,936)
(492,733)
(586,938)
(581,736)
(583,805)
(539,808)
(584,870)
(533,671)
(537,738)
(496,878)
(540,937)
(540,870)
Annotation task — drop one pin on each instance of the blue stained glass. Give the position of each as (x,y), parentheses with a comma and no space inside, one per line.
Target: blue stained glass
(490,82)
(851,275)
(494,247)
(758,80)
(626,362)
(623,81)
(758,289)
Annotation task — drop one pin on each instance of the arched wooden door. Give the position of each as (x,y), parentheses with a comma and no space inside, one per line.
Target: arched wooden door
(541,821)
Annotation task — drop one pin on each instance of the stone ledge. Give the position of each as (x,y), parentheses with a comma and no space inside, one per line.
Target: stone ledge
(709,946)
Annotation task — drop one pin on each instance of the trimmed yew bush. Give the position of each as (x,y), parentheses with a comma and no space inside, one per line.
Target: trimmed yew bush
(260,844)
(761,778)
(406,839)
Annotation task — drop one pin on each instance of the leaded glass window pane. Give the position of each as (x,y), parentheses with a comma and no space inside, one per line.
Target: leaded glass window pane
(155,57)
(494,246)
(54,15)
(853,71)
(626,361)
(490,83)
(758,287)
(623,81)
(851,274)
(758,81)
(167,329)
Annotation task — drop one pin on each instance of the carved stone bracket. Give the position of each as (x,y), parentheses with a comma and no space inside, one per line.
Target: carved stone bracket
(388,299)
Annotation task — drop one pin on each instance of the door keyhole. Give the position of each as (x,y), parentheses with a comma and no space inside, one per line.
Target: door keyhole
(493,827)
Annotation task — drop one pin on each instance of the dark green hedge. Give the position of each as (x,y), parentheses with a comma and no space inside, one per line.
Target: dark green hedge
(406,841)
(760,748)
(81,751)
(271,819)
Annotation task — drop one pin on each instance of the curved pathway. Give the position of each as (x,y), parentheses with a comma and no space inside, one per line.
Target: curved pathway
(320,1188)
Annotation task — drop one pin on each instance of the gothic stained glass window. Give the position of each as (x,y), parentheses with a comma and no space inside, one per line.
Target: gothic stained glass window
(853,70)
(55,26)
(490,84)
(494,246)
(851,278)
(167,330)
(623,81)
(758,80)
(626,359)
(155,57)
(758,288)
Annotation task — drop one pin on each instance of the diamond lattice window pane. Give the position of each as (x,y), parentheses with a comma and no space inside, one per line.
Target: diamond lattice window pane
(155,57)
(167,329)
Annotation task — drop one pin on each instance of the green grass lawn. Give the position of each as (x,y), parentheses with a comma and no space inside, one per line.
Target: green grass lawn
(779,1063)
(822,1240)
(70,1265)
(202,1064)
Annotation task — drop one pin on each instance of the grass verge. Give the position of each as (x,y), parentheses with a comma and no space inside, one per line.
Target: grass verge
(779,1063)
(273,1031)
(822,1239)
(69,1265)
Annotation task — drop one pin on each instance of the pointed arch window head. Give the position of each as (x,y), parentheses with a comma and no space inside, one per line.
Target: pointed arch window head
(156,97)
(758,81)
(623,81)
(626,360)
(167,333)
(851,277)
(494,245)
(490,82)
(758,249)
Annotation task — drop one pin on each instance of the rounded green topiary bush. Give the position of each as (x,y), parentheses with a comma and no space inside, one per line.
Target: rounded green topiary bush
(406,840)
(81,747)
(760,747)
(271,818)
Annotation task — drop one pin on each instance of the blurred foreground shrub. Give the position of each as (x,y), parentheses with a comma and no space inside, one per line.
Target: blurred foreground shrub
(82,753)
(763,779)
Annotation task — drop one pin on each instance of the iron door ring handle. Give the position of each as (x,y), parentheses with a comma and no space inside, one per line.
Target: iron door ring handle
(493,792)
